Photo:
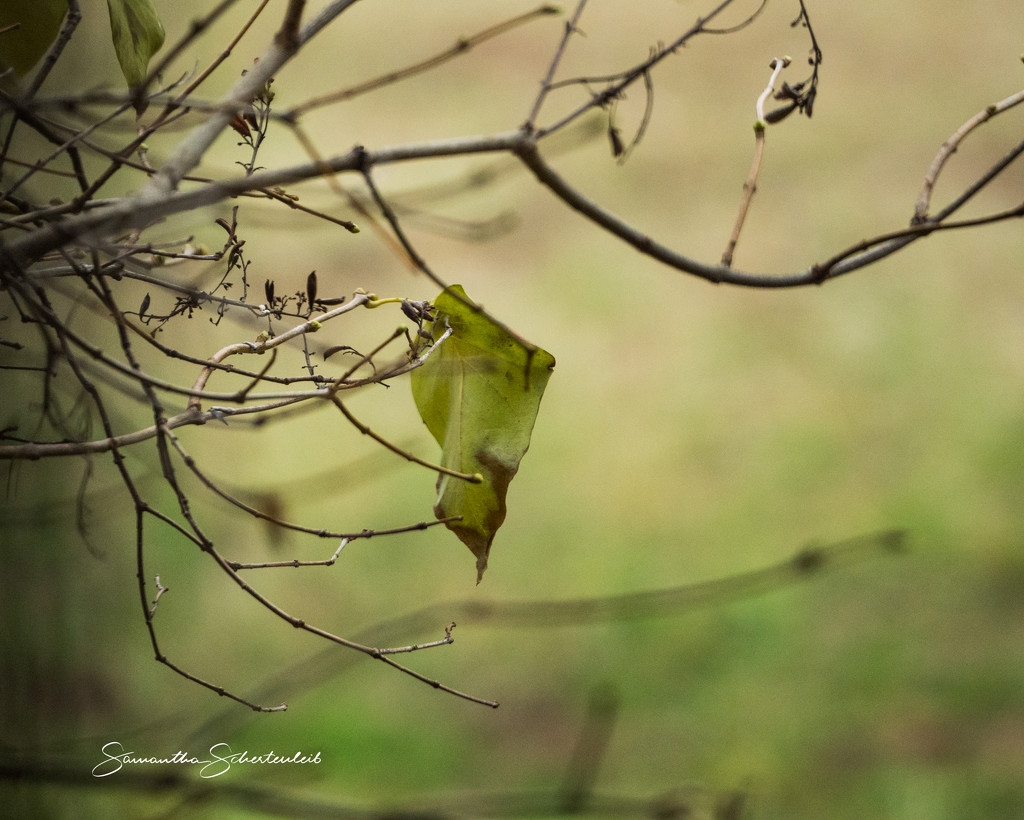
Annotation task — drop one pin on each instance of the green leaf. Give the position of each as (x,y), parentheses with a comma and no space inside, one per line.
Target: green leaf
(137,33)
(478,393)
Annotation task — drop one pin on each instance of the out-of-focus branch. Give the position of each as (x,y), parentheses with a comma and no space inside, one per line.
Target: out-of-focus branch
(462,46)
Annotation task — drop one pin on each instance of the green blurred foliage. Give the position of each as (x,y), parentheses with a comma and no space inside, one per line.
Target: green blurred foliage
(37,23)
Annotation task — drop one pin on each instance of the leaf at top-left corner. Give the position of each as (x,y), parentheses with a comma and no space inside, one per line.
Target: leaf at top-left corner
(27,28)
(137,34)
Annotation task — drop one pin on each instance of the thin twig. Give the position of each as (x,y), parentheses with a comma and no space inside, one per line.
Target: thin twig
(264,344)
(462,46)
(195,30)
(871,250)
(472,478)
(160,590)
(194,146)
(950,146)
(627,78)
(208,547)
(571,28)
(750,186)
(401,650)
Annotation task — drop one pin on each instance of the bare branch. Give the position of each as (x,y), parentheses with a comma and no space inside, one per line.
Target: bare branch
(950,146)
(462,46)
(750,186)
(474,478)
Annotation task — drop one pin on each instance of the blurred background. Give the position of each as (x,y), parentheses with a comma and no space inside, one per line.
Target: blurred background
(689,433)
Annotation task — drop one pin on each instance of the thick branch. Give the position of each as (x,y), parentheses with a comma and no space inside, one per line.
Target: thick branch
(718,274)
(138,212)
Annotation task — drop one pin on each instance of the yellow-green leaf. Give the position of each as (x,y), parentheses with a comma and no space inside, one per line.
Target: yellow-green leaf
(137,33)
(38,23)
(478,393)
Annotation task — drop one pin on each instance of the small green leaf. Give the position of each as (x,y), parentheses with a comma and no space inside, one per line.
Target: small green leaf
(478,393)
(137,34)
